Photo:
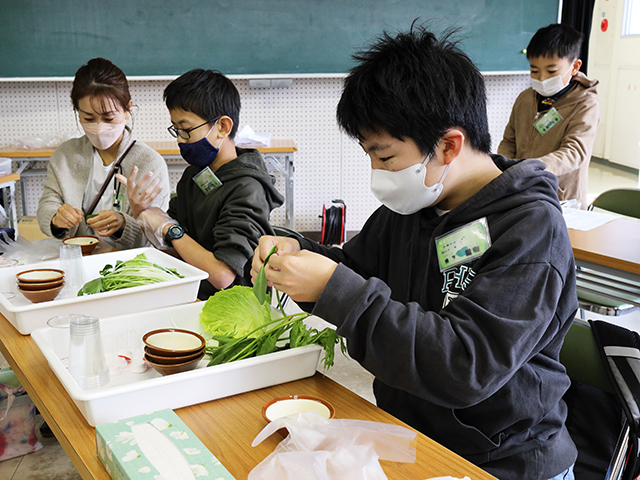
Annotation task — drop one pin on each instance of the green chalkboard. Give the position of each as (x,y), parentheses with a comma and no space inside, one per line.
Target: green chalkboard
(53,38)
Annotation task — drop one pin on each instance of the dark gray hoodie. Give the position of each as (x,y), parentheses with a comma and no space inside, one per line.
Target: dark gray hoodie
(230,219)
(468,356)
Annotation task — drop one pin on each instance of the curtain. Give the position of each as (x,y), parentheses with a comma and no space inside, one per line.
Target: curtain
(579,14)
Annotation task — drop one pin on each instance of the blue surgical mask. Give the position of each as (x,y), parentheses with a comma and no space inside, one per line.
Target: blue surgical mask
(200,153)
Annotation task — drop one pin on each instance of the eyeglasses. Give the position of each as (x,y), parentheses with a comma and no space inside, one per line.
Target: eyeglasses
(184,134)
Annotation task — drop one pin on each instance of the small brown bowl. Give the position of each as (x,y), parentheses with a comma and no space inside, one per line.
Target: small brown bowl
(86,242)
(172,360)
(40,275)
(176,367)
(161,344)
(40,286)
(292,404)
(37,296)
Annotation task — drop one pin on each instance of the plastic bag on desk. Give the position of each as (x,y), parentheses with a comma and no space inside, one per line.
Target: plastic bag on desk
(26,252)
(336,449)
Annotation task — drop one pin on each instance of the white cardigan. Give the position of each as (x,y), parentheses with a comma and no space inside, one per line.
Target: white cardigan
(68,174)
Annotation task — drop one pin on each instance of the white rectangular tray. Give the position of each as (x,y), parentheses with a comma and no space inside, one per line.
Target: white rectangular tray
(131,394)
(27,316)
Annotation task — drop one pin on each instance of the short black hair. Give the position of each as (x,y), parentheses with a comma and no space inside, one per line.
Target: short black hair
(207,93)
(415,86)
(554,40)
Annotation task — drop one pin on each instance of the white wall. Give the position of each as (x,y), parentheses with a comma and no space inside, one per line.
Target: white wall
(615,61)
(328,165)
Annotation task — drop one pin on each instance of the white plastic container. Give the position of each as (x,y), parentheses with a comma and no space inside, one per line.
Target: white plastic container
(129,394)
(27,316)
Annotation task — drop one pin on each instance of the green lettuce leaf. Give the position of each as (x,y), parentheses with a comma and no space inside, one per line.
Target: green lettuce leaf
(235,312)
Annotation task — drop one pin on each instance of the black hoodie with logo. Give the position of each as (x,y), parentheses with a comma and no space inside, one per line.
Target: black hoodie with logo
(468,356)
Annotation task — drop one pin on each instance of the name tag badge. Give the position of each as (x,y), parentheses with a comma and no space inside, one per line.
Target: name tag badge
(547,121)
(207,180)
(464,244)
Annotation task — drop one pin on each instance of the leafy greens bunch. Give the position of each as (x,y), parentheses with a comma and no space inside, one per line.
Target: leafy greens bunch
(241,323)
(131,273)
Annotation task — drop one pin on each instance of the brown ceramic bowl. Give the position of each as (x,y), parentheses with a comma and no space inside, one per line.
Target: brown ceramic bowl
(176,367)
(40,285)
(86,242)
(37,296)
(172,360)
(173,342)
(292,404)
(40,275)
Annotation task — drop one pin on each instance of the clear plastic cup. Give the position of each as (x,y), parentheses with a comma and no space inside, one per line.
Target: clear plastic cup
(87,364)
(8,285)
(71,263)
(60,336)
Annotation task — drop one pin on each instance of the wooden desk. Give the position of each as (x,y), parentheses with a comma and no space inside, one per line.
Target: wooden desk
(612,246)
(278,148)
(226,426)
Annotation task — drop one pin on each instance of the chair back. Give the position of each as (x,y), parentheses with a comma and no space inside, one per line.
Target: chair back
(624,201)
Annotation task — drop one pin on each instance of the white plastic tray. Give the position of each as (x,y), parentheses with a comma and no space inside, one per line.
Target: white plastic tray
(27,316)
(131,394)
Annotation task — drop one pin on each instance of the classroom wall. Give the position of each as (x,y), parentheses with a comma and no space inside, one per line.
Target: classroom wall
(328,165)
(615,61)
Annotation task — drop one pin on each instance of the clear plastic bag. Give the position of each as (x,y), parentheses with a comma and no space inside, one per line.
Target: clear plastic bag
(26,252)
(336,449)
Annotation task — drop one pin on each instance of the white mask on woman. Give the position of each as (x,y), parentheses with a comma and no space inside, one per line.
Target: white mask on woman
(103,135)
(404,191)
(550,86)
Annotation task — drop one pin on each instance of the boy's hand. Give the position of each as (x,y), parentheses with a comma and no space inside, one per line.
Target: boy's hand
(67,217)
(154,223)
(283,244)
(140,194)
(302,275)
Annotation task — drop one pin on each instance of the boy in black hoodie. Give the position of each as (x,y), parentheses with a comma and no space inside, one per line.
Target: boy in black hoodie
(224,197)
(458,291)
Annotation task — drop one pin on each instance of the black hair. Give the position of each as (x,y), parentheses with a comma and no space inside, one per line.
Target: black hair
(207,93)
(556,39)
(101,80)
(415,86)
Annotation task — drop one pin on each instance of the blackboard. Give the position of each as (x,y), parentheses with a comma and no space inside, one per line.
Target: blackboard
(53,38)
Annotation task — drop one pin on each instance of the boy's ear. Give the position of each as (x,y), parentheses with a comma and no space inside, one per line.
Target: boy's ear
(452,142)
(577,63)
(225,125)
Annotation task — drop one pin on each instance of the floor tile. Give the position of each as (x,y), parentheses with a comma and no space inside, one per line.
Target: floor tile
(8,468)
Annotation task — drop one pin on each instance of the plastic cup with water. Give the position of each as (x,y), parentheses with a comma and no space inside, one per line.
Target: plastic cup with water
(87,364)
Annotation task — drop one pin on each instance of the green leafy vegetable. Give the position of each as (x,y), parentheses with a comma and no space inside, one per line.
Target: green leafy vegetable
(131,273)
(260,286)
(234,312)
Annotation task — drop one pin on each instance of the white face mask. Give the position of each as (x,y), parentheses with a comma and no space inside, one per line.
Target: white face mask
(103,135)
(404,191)
(550,86)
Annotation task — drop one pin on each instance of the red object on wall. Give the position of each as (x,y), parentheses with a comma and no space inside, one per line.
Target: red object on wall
(604,25)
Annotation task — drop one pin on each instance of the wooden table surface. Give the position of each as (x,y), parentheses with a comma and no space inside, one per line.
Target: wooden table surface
(226,426)
(614,244)
(163,148)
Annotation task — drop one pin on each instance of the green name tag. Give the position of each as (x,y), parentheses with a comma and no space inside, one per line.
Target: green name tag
(547,121)
(463,244)
(207,180)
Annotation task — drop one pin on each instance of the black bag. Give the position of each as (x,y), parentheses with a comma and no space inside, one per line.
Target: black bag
(620,351)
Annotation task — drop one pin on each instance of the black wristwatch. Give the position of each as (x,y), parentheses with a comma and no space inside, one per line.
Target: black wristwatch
(175,232)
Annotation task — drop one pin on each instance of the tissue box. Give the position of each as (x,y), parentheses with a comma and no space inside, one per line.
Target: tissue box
(168,443)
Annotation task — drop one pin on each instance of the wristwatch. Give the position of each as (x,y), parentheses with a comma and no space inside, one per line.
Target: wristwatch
(175,232)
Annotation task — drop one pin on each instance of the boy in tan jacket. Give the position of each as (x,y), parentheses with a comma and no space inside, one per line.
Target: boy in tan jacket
(555,120)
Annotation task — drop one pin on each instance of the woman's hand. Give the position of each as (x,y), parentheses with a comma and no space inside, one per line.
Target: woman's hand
(142,193)
(107,222)
(67,217)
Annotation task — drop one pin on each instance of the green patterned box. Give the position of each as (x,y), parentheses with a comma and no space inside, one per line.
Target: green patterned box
(153,446)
